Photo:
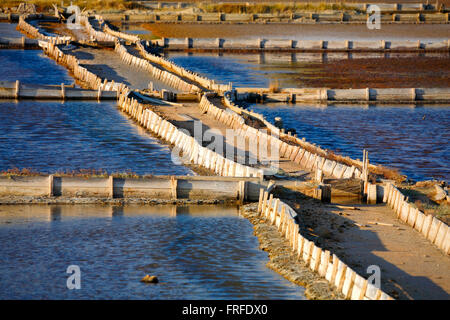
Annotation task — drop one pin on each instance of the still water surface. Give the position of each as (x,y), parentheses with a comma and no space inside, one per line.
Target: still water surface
(197,252)
(411,139)
(31,66)
(50,136)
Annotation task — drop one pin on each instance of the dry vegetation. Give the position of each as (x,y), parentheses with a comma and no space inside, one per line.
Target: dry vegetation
(274,8)
(82,173)
(421,195)
(43,5)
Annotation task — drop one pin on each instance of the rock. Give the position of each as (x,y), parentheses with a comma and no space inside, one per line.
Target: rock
(324,232)
(440,193)
(278,123)
(150,279)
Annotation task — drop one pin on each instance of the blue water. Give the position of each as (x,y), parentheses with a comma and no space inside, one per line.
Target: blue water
(413,140)
(224,69)
(54,136)
(31,66)
(205,252)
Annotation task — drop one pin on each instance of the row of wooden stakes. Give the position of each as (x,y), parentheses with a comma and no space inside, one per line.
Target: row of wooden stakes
(433,229)
(327,265)
(34,32)
(182,72)
(192,151)
(159,74)
(88,78)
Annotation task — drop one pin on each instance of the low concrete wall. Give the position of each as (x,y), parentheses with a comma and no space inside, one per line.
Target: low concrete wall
(155,187)
(16,90)
(22,43)
(324,262)
(388,15)
(218,44)
(381,95)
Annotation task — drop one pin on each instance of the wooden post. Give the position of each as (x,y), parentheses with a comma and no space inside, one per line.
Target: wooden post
(173,186)
(413,94)
(50,185)
(261,196)
(269,206)
(243,191)
(111,187)
(275,212)
(63,92)
(326,193)
(264,203)
(371,193)
(318,177)
(282,218)
(368,94)
(17,90)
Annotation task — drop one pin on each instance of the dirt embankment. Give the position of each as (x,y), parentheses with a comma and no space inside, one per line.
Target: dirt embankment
(300,31)
(284,262)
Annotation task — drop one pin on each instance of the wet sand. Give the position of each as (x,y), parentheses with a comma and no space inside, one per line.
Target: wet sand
(430,32)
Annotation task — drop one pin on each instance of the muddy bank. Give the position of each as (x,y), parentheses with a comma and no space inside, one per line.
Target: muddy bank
(315,70)
(105,201)
(300,32)
(284,262)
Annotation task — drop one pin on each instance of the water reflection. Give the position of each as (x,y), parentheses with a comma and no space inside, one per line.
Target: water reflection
(31,66)
(51,136)
(197,252)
